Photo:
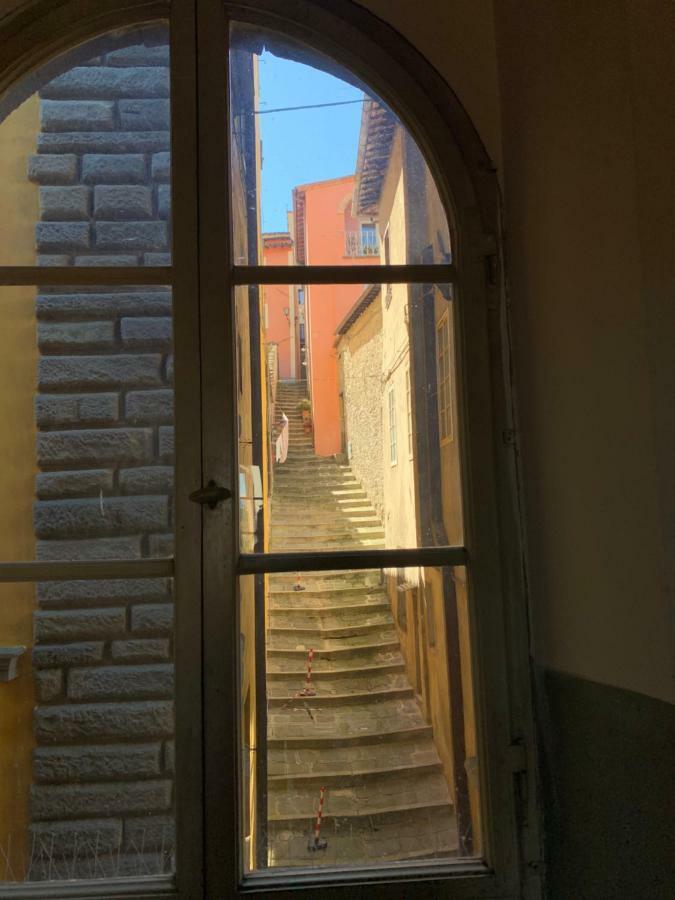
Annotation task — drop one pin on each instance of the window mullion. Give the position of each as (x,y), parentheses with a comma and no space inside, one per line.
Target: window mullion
(220,628)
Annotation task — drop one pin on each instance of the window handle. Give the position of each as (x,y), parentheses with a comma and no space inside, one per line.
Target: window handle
(211,495)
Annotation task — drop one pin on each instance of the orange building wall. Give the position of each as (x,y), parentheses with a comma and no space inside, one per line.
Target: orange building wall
(277,298)
(327,218)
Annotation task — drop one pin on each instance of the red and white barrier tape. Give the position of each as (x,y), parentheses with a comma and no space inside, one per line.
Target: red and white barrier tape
(317,843)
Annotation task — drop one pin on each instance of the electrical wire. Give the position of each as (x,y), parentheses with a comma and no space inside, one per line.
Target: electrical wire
(261,112)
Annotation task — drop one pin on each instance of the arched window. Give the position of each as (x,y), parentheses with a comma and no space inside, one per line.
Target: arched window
(259,564)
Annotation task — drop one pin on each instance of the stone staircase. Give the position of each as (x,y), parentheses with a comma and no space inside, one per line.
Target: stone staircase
(362,735)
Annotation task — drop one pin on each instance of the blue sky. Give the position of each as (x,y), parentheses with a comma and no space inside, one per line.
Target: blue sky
(304,145)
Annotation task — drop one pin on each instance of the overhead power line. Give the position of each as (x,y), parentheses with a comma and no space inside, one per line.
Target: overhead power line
(260,112)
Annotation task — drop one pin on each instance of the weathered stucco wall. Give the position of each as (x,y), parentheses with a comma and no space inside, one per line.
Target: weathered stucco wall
(360,351)
(18,366)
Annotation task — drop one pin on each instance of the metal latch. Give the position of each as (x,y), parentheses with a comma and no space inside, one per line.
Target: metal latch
(211,495)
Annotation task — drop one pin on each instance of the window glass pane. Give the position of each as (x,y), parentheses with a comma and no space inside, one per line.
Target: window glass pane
(321,165)
(87,752)
(87,398)
(84,156)
(364,751)
(348,429)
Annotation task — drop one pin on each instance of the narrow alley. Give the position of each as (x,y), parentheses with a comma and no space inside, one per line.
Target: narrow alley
(352,733)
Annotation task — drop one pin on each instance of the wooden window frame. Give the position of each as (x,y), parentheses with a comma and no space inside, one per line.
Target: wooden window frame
(208,561)
(444,387)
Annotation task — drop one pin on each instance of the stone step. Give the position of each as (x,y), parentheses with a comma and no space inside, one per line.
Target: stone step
(372,719)
(350,684)
(333,579)
(364,517)
(374,659)
(329,647)
(374,795)
(301,737)
(279,545)
(314,632)
(328,530)
(315,602)
(429,833)
(281,668)
(288,699)
(321,612)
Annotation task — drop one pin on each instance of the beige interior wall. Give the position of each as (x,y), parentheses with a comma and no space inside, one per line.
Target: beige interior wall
(582,341)
(18,374)
(574,98)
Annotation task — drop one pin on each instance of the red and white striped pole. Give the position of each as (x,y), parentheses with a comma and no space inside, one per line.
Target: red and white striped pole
(308,690)
(318,844)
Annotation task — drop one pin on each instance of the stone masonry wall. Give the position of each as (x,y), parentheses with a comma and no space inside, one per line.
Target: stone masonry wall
(103,764)
(361,353)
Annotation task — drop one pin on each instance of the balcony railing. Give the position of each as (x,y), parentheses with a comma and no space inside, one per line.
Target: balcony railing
(358,243)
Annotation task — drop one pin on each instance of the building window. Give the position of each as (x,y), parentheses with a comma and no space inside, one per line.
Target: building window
(245,798)
(408,400)
(392,427)
(444,376)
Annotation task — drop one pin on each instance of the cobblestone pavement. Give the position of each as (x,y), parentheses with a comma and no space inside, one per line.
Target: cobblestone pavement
(361,735)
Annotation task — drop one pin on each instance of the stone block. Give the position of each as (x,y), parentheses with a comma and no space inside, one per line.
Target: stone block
(140,650)
(153,617)
(62,236)
(110,168)
(153,331)
(101,548)
(149,407)
(103,592)
(146,480)
(80,409)
(108,259)
(46,656)
(169,369)
(83,372)
(90,482)
(119,682)
(52,626)
(53,259)
(93,865)
(161,546)
(144,115)
(77,115)
(98,305)
(97,142)
(49,684)
(99,517)
(139,720)
(161,166)
(91,446)
(67,801)
(166,443)
(76,336)
(139,55)
(91,762)
(150,833)
(122,201)
(64,203)
(74,839)
(156,259)
(131,235)
(164,201)
(103,82)
(53,169)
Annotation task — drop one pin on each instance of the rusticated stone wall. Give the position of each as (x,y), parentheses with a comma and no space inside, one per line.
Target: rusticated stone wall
(103,764)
